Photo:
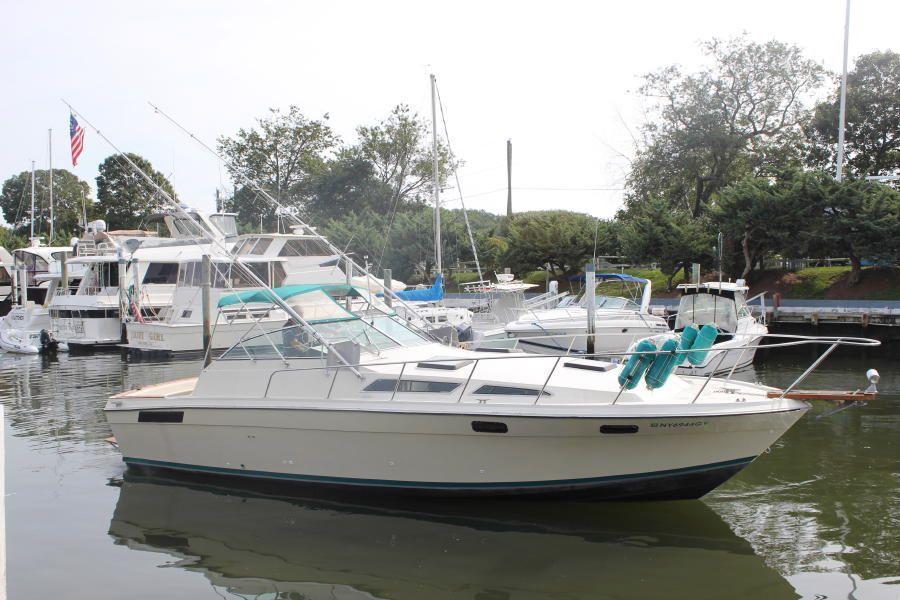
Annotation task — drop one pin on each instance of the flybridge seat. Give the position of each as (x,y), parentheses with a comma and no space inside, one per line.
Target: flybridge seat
(434,293)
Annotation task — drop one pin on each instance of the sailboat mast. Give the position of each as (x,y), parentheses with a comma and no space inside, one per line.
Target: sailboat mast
(436,188)
(31,237)
(50,153)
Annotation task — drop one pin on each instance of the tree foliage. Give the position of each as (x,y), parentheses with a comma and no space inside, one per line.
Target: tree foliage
(282,153)
(68,194)
(765,215)
(400,153)
(872,131)
(743,114)
(673,239)
(124,198)
(561,239)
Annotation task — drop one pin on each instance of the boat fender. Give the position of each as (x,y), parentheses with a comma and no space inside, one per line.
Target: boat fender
(637,364)
(688,335)
(663,365)
(705,339)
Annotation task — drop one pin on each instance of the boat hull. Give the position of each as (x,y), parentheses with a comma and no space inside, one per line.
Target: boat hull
(160,337)
(598,458)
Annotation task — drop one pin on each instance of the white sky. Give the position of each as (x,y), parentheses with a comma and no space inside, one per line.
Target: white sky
(558,78)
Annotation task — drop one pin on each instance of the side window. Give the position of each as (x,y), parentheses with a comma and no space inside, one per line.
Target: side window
(161,273)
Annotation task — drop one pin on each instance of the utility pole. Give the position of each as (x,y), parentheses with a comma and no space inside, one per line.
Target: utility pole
(508,179)
(50,153)
(839,170)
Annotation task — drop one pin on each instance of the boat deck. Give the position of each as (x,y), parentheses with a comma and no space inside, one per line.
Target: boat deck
(168,389)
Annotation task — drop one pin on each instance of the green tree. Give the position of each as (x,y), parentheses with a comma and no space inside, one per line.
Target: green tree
(346,184)
(674,239)
(765,215)
(399,150)
(872,133)
(124,198)
(282,154)
(561,239)
(741,115)
(69,192)
(859,219)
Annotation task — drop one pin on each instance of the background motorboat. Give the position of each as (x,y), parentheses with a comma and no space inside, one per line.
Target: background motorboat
(725,305)
(622,316)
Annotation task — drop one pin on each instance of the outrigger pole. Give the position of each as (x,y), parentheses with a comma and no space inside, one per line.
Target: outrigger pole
(275,203)
(276,299)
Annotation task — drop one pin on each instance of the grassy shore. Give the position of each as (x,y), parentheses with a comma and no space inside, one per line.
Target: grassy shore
(877,283)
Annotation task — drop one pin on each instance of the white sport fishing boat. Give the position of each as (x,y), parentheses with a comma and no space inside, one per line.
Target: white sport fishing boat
(366,402)
(276,259)
(723,304)
(425,309)
(622,316)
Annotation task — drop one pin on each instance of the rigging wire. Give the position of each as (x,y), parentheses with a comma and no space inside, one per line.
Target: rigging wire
(458,186)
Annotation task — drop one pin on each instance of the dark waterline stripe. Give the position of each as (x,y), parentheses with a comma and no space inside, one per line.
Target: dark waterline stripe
(437,485)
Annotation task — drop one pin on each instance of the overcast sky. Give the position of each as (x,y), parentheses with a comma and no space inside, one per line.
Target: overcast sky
(558,78)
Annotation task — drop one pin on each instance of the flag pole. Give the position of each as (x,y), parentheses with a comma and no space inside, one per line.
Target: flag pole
(839,171)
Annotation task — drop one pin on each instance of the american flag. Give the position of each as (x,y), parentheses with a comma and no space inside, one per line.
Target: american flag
(76,132)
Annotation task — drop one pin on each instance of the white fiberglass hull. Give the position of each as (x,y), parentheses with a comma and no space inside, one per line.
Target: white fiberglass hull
(20,331)
(570,337)
(161,337)
(610,452)
(739,353)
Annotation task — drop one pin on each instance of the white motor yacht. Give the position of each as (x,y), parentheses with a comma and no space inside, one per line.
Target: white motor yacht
(622,316)
(26,327)
(366,402)
(723,304)
(94,315)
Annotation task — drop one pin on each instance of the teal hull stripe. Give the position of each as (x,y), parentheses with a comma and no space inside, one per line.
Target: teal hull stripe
(437,484)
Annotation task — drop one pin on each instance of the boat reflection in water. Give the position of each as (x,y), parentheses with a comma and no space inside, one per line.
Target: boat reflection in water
(250,544)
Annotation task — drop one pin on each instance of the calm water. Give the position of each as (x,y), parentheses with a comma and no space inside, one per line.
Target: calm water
(818,517)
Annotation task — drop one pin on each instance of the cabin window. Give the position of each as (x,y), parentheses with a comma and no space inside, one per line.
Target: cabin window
(278,274)
(226,223)
(261,246)
(411,385)
(308,247)
(161,273)
(505,390)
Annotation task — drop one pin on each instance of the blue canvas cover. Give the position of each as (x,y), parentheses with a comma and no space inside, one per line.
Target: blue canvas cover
(432,294)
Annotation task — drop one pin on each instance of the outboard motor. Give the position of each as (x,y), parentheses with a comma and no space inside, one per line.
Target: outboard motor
(49,344)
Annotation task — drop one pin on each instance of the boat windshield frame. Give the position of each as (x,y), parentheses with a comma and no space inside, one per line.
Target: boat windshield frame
(722,311)
(373,334)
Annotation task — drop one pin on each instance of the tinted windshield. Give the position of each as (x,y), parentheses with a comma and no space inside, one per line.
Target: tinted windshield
(703,309)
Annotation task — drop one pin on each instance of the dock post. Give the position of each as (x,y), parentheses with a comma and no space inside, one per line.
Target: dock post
(123,301)
(23,287)
(590,284)
(205,271)
(63,275)
(388,277)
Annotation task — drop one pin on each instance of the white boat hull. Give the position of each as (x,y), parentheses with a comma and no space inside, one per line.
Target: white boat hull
(161,337)
(664,457)
(571,338)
